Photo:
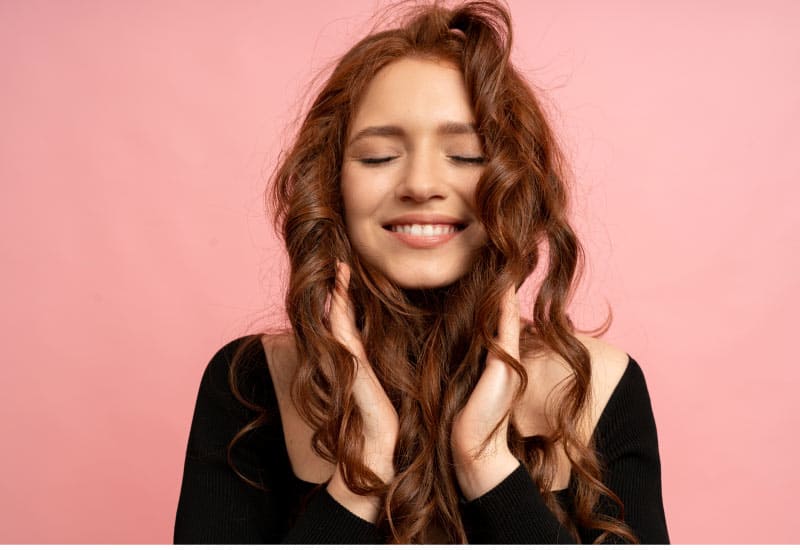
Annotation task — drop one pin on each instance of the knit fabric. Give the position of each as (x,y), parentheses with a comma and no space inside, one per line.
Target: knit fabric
(216,506)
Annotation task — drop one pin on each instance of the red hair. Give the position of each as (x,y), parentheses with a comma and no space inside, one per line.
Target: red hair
(428,346)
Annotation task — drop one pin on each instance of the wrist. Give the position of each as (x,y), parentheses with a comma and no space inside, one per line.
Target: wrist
(364,506)
(478,477)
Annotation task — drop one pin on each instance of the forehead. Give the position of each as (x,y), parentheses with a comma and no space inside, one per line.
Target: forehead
(416,94)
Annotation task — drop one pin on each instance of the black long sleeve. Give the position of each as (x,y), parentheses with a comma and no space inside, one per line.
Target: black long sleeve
(514,511)
(216,506)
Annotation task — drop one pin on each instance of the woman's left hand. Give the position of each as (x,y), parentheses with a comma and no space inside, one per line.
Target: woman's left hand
(489,402)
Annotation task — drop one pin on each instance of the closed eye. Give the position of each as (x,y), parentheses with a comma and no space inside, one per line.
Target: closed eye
(380,160)
(455,158)
(469,160)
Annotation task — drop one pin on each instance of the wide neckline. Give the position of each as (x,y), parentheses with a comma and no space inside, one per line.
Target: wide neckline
(311,484)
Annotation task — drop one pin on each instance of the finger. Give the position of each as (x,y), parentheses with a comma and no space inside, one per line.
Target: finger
(341,297)
(342,313)
(342,275)
(499,381)
(342,281)
(508,330)
(508,323)
(367,389)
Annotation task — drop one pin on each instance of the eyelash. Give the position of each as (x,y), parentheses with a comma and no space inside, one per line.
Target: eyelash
(382,160)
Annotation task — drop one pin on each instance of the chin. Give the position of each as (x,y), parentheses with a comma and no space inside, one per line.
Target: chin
(424,285)
(419,280)
(418,273)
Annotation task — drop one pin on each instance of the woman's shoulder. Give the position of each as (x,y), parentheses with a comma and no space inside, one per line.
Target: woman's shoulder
(222,409)
(281,357)
(609,364)
(548,373)
(254,356)
(246,355)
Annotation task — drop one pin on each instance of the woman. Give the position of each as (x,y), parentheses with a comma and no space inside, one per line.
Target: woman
(411,402)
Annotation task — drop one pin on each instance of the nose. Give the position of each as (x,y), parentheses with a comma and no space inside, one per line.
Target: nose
(421,180)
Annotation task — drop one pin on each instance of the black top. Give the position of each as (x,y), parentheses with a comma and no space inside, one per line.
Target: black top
(216,506)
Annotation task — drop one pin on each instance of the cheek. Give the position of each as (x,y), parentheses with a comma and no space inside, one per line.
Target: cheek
(359,205)
(359,199)
(471,191)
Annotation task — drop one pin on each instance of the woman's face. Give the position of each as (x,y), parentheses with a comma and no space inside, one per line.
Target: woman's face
(411,164)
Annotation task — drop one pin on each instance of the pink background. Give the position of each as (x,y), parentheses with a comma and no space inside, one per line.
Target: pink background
(135,139)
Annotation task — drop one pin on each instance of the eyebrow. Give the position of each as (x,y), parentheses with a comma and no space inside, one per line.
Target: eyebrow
(445,128)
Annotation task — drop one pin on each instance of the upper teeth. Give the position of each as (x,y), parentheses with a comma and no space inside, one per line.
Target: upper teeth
(424,230)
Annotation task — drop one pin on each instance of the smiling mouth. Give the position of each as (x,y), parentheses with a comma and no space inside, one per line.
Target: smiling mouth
(426,230)
(425,235)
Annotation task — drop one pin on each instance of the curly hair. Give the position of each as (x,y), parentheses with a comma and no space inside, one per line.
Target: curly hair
(428,346)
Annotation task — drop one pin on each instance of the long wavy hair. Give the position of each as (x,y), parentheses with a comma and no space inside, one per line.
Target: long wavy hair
(428,347)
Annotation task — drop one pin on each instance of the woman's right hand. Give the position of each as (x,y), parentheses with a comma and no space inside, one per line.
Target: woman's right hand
(380,420)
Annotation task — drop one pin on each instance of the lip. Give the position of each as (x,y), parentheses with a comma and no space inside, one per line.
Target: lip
(426,219)
(425,241)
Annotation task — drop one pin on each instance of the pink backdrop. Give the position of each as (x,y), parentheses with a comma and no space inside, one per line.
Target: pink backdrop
(134,144)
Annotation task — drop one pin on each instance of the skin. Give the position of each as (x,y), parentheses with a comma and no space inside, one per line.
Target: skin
(421,170)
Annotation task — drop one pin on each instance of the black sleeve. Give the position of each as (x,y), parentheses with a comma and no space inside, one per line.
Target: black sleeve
(215,505)
(514,511)
(627,440)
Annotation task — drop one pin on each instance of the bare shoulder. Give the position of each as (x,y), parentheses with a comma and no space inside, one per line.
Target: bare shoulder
(608,365)
(282,358)
(548,372)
